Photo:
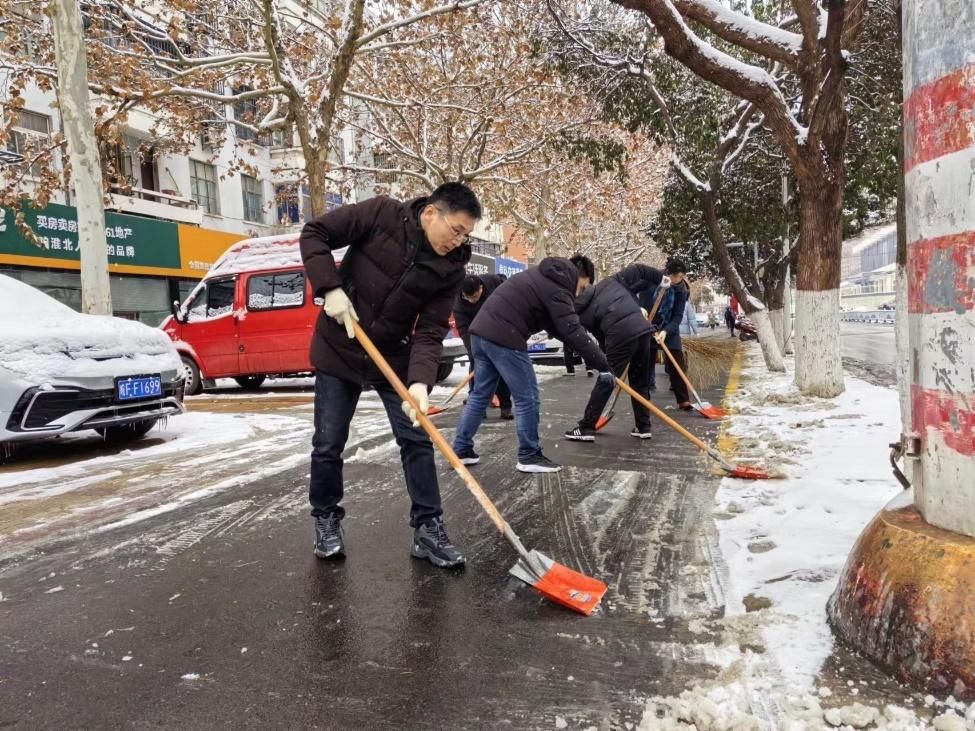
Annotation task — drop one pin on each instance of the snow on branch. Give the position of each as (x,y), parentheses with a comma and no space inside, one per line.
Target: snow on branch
(745,32)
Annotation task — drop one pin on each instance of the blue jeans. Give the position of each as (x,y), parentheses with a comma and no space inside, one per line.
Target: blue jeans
(335,402)
(491,362)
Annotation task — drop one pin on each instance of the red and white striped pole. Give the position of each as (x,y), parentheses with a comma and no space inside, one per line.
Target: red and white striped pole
(939,166)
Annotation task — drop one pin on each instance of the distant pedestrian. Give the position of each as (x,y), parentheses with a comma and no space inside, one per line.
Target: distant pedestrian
(729,319)
(688,323)
(540,298)
(473,294)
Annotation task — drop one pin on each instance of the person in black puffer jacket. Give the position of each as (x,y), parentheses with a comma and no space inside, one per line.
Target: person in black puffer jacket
(539,298)
(403,268)
(473,294)
(610,311)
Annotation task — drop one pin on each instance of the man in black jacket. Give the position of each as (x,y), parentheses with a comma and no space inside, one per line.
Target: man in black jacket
(609,311)
(473,294)
(539,298)
(403,268)
(666,327)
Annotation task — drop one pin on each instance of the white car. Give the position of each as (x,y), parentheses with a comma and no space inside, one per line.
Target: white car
(62,371)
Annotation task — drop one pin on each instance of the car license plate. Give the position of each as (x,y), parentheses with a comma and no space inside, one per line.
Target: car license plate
(128,389)
(537,347)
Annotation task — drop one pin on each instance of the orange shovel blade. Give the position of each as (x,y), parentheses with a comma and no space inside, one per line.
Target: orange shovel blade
(603,420)
(709,412)
(434,410)
(559,583)
(749,472)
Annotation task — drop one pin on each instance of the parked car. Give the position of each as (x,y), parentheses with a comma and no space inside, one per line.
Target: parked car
(253,316)
(62,371)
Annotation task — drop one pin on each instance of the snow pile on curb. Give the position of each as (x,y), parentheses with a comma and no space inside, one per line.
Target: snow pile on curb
(785,542)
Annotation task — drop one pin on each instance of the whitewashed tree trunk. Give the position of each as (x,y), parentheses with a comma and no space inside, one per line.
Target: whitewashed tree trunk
(777,317)
(768,341)
(86,174)
(787,312)
(819,367)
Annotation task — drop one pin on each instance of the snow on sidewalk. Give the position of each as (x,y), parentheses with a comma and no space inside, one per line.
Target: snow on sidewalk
(785,542)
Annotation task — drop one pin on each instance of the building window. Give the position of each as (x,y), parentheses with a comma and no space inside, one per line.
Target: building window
(203,183)
(29,132)
(245,110)
(253,198)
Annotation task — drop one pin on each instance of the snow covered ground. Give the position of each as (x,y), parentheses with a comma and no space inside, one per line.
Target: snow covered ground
(785,542)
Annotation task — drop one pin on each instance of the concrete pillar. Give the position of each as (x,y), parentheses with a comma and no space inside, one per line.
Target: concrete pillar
(904,599)
(939,165)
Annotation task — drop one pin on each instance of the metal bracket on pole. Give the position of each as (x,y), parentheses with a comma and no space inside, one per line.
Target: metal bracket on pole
(909,447)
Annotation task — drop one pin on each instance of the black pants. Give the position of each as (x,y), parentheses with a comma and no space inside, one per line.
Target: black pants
(335,402)
(501,390)
(677,384)
(635,354)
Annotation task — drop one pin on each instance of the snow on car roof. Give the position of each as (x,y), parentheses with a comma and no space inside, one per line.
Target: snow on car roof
(264,252)
(44,339)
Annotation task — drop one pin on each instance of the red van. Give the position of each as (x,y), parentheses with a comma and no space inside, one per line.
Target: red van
(253,315)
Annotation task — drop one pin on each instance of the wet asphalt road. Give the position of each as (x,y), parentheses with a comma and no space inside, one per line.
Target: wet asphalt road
(869,351)
(219,615)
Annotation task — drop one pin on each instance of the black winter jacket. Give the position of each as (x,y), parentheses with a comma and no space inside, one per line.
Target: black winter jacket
(609,310)
(401,289)
(539,298)
(465,312)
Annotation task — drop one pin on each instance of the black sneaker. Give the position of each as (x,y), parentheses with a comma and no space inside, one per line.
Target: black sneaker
(641,432)
(430,541)
(581,434)
(538,463)
(506,414)
(468,456)
(589,373)
(328,536)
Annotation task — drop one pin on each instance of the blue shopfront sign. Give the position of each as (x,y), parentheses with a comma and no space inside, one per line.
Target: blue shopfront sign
(509,266)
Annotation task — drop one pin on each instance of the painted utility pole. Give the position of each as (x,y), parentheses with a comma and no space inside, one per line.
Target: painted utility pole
(905,598)
(86,173)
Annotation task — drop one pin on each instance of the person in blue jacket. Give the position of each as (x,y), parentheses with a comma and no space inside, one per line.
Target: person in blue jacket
(666,328)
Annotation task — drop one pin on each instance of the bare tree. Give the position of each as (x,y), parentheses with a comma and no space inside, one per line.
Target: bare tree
(257,66)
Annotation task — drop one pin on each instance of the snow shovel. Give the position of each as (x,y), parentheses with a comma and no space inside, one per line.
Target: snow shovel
(607,416)
(434,410)
(704,408)
(745,472)
(554,581)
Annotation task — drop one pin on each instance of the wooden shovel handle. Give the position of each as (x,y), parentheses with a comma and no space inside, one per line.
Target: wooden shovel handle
(457,389)
(664,418)
(687,381)
(430,429)
(656,303)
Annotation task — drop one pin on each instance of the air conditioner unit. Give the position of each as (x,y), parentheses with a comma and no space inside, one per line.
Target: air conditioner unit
(212,139)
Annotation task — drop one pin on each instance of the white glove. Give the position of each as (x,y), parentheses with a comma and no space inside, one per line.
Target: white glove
(665,282)
(419,393)
(645,313)
(660,336)
(339,306)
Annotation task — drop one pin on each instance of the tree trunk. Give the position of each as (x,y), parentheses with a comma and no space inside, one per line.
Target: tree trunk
(316,168)
(753,307)
(86,173)
(819,366)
